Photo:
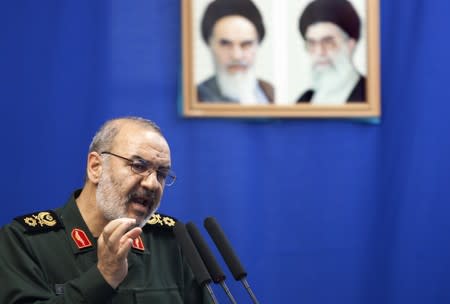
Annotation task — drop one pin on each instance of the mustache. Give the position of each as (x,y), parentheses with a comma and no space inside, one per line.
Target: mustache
(319,63)
(240,64)
(144,196)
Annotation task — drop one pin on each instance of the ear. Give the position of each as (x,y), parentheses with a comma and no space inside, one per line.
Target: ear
(94,167)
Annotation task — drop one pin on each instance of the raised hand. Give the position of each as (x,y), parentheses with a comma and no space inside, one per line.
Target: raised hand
(114,244)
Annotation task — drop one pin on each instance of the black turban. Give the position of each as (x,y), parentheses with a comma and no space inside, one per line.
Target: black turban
(340,12)
(221,8)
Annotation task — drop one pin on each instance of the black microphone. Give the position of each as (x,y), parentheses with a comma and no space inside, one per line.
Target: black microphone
(227,252)
(195,261)
(208,258)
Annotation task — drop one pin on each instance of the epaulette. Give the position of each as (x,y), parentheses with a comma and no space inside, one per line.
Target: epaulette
(161,222)
(41,221)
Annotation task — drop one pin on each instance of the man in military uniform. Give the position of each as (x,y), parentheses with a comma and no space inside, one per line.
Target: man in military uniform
(106,244)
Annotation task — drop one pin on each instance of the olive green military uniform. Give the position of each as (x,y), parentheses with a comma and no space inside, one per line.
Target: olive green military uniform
(51,257)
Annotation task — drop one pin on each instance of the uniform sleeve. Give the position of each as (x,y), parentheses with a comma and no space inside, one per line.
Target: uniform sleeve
(23,281)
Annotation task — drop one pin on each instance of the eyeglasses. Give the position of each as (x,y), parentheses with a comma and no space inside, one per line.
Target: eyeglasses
(144,168)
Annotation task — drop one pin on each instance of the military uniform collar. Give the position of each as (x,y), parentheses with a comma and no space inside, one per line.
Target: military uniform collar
(79,236)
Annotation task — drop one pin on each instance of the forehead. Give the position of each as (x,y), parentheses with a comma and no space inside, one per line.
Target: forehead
(321,30)
(234,28)
(133,139)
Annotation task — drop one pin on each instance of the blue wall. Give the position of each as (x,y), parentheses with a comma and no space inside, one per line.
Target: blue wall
(320,211)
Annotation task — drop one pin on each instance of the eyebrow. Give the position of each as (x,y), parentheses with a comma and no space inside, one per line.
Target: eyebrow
(224,41)
(140,158)
(328,37)
(244,42)
(247,42)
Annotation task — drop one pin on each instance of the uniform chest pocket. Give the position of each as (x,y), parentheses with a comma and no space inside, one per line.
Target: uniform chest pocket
(169,295)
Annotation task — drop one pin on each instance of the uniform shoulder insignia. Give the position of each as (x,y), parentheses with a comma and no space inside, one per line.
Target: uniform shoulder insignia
(161,222)
(38,222)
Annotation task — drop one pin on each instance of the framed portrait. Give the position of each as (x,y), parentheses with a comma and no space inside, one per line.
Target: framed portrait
(270,58)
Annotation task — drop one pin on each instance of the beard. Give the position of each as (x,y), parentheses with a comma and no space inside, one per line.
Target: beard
(329,79)
(114,202)
(240,86)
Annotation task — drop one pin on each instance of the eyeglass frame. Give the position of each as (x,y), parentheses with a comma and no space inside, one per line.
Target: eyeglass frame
(149,169)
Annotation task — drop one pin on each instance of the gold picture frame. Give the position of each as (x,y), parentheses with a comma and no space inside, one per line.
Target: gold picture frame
(285,71)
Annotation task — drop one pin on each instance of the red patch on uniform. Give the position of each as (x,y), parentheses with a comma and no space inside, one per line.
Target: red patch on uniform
(138,244)
(80,238)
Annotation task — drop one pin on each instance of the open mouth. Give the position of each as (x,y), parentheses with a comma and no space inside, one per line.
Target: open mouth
(142,201)
(141,205)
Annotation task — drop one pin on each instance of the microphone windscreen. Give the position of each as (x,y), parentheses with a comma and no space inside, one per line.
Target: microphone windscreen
(210,261)
(225,248)
(195,261)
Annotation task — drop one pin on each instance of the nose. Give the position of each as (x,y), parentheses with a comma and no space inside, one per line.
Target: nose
(319,49)
(150,181)
(322,50)
(236,52)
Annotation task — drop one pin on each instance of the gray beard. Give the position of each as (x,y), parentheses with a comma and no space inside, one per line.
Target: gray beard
(240,87)
(332,79)
(111,202)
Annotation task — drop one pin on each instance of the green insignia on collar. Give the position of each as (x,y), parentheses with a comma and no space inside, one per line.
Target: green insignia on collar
(161,221)
(42,221)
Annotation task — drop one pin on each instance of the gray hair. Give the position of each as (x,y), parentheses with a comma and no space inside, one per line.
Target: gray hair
(103,139)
